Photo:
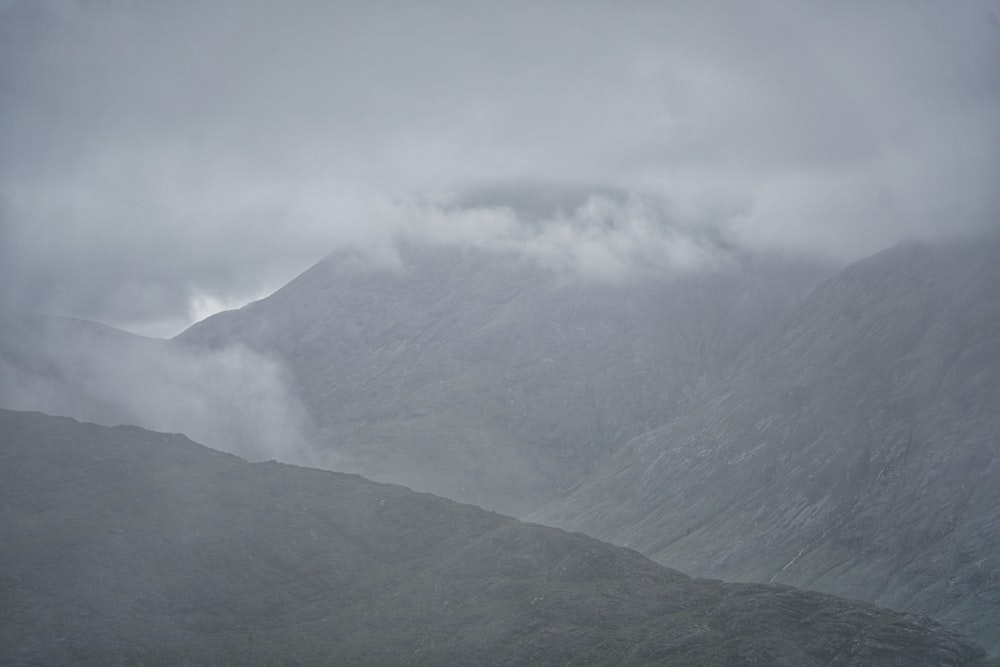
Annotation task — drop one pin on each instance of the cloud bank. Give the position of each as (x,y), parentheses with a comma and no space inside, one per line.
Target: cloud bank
(162,160)
(233,399)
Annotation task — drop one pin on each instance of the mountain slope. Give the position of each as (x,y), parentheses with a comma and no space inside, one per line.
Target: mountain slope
(856,452)
(483,376)
(125,546)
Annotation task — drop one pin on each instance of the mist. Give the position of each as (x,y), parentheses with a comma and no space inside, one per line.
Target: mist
(715,282)
(232,399)
(160,162)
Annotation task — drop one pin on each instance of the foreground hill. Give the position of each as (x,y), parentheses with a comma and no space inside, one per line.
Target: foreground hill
(485,377)
(125,546)
(857,451)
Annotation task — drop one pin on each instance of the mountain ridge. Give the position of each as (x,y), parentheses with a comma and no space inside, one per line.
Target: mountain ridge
(126,546)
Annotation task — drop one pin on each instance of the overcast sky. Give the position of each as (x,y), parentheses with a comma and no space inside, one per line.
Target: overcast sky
(160,160)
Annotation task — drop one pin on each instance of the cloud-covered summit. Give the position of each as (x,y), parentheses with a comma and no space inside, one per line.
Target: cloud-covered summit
(158,160)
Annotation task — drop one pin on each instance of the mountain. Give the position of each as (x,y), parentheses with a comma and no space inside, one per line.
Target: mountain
(856,450)
(486,377)
(126,546)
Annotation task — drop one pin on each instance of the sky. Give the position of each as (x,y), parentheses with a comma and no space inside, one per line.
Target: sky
(160,161)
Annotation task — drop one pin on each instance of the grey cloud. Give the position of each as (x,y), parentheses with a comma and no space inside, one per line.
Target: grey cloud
(157,156)
(232,398)
(598,234)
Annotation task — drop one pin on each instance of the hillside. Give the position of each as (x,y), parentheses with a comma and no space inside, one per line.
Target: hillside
(482,376)
(855,452)
(125,546)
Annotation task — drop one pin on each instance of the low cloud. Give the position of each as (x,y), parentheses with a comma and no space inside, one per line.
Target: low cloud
(605,236)
(232,399)
(158,157)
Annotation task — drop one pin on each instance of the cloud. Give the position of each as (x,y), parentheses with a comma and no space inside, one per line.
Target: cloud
(605,236)
(158,156)
(233,398)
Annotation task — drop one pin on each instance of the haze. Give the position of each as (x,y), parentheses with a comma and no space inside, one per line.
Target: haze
(161,161)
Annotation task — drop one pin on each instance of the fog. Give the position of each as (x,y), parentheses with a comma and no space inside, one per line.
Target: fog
(232,399)
(160,161)
(642,271)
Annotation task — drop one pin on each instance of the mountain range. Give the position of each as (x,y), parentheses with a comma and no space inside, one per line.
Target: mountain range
(759,419)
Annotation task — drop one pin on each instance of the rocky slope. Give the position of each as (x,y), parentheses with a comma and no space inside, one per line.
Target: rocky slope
(856,452)
(125,546)
(482,376)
